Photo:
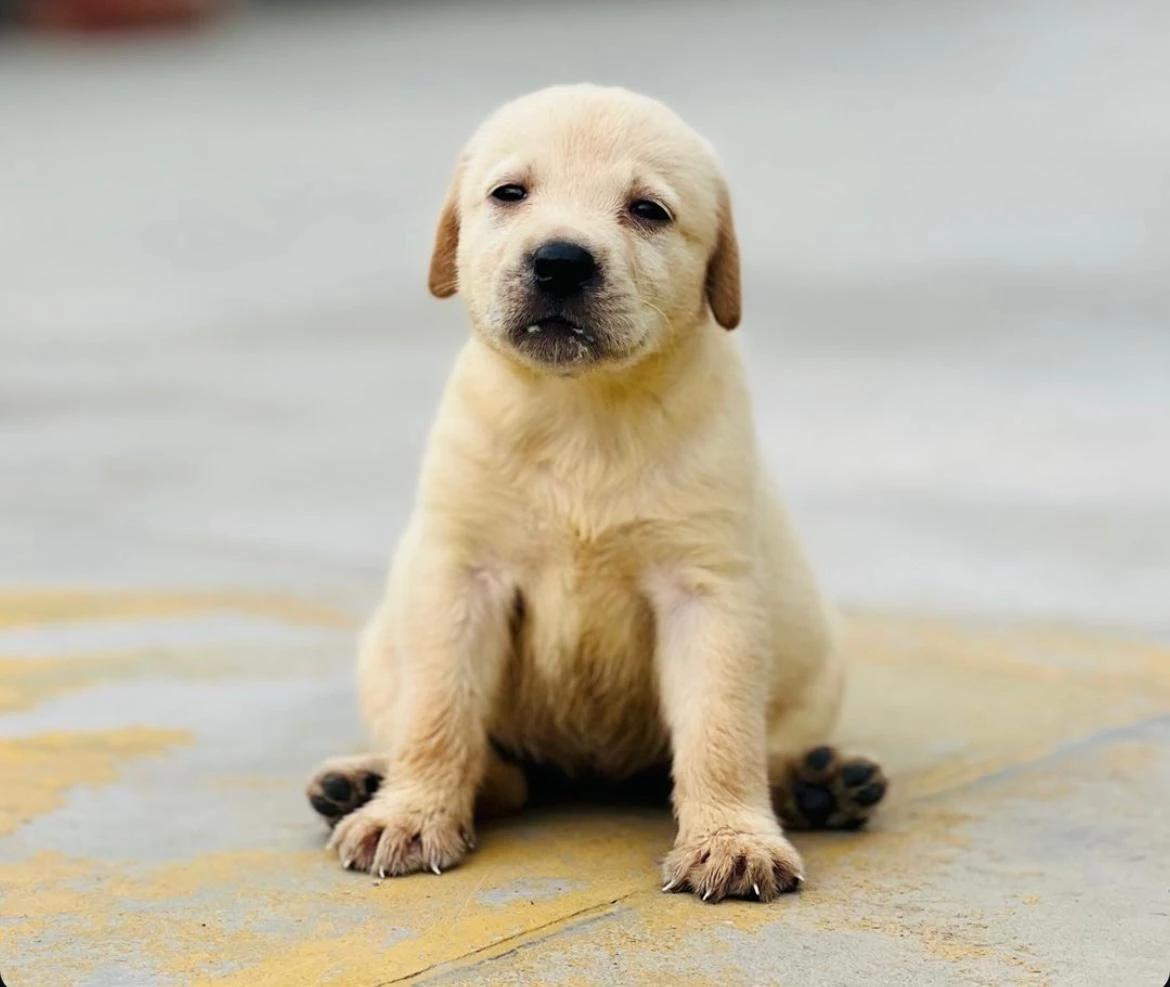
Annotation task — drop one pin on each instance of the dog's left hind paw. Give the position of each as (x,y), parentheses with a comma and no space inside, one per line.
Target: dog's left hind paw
(825,790)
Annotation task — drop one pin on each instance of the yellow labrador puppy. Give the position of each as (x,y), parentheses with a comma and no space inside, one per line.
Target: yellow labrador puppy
(598,575)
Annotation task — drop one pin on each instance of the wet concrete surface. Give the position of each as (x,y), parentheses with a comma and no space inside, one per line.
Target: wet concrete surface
(217,367)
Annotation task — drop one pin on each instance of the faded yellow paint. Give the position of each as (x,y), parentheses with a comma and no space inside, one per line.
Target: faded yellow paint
(942,705)
(446,920)
(346,929)
(37,771)
(1044,652)
(661,930)
(989,698)
(20,607)
(437,917)
(25,682)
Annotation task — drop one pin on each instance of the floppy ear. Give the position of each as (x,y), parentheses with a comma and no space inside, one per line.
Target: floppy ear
(443,279)
(723,291)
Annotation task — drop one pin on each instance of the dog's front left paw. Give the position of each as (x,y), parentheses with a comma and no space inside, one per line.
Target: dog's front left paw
(756,864)
(392,835)
(826,790)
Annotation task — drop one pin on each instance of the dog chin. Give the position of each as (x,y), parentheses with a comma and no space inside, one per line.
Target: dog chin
(559,343)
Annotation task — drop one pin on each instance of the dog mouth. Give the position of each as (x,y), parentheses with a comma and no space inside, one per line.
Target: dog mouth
(556,340)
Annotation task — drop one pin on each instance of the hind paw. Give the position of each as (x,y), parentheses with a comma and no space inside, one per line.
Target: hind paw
(826,790)
(343,785)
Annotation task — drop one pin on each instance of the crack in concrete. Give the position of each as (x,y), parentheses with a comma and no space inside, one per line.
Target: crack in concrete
(519,939)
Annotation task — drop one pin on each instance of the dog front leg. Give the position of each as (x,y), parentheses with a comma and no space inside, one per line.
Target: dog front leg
(712,681)
(452,641)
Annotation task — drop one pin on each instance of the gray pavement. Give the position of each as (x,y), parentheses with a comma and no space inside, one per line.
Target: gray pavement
(218,360)
(218,354)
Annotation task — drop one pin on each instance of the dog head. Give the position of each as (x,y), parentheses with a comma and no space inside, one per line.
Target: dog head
(587,227)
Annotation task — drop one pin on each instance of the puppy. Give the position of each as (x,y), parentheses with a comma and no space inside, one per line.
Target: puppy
(598,575)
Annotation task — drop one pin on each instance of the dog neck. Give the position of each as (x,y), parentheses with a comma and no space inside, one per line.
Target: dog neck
(671,391)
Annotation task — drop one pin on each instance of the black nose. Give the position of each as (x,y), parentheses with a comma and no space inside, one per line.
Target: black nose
(562,269)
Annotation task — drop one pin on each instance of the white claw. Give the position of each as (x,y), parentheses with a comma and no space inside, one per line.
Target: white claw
(669,885)
(436,869)
(347,863)
(382,873)
(756,889)
(800,879)
(707,895)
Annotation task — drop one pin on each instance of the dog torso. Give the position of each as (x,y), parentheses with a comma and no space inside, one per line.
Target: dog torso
(574,506)
(579,689)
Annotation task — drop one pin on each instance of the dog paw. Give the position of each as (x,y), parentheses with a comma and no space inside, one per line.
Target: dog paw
(827,791)
(391,836)
(342,785)
(757,866)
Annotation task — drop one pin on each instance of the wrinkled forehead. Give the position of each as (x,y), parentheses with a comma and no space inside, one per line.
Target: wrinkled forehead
(597,149)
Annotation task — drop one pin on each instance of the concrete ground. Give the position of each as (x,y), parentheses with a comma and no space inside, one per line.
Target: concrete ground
(217,366)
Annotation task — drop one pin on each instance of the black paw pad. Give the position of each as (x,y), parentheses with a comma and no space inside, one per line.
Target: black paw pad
(815,804)
(336,794)
(856,773)
(871,794)
(337,788)
(825,791)
(818,758)
(324,807)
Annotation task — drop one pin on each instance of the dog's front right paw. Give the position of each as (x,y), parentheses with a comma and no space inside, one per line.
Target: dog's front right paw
(392,835)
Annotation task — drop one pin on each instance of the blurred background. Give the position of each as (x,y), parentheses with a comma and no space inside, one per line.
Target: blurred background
(218,360)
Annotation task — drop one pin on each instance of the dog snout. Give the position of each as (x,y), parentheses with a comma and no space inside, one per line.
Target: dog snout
(562,269)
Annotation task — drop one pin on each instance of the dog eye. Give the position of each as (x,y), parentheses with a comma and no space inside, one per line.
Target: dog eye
(649,211)
(510,193)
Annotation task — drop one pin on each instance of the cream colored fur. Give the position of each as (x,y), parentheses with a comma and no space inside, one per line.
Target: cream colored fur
(598,572)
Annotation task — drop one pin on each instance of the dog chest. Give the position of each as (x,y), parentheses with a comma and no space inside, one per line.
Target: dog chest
(580,689)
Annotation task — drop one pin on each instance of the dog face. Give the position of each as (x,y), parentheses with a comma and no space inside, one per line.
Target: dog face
(587,227)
